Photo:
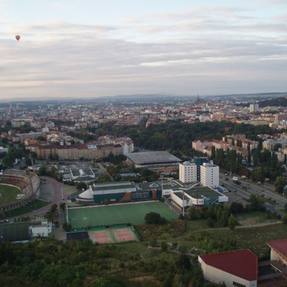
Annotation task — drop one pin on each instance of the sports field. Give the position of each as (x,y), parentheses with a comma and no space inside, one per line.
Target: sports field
(132,213)
(113,234)
(8,193)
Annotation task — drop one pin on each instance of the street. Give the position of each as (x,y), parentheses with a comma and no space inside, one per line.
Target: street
(241,192)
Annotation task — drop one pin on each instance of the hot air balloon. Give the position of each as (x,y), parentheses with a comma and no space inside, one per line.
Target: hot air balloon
(18,37)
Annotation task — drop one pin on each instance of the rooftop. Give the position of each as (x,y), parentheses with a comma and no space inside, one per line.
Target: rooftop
(241,263)
(202,192)
(153,157)
(279,245)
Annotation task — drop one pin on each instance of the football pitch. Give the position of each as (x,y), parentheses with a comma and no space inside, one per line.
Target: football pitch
(8,193)
(132,213)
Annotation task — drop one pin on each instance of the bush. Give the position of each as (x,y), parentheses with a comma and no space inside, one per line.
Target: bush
(154,218)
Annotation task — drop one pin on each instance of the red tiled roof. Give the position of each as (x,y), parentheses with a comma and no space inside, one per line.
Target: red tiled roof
(241,263)
(279,245)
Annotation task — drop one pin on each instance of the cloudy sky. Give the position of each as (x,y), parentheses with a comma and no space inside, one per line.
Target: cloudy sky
(90,48)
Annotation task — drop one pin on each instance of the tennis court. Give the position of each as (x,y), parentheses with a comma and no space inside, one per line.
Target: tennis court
(131,213)
(116,234)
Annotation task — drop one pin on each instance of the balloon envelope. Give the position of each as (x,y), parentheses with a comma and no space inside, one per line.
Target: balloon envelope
(17,37)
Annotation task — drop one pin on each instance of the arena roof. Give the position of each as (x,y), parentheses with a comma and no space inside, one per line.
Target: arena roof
(152,157)
(241,263)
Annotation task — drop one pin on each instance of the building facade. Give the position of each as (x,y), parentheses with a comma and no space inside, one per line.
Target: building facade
(232,268)
(209,175)
(187,172)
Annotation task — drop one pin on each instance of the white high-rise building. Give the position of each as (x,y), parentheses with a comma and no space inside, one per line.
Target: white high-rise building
(209,175)
(187,172)
(254,108)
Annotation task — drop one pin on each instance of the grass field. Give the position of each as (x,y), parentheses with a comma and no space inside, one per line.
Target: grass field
(34,205)
(8,193)
(133,213)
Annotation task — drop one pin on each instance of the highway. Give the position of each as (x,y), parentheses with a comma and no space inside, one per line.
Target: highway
(241,192)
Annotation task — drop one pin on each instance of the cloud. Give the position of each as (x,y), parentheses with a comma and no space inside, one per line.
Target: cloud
(206,50)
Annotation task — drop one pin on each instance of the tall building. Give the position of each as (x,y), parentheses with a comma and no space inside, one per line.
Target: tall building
(199,160)
(254,108)
(209,175)
(187,172)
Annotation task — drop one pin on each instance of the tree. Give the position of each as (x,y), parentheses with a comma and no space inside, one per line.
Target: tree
(255,203)
(280,183)
(236,207)
(232,222)
(183,262)
(284,219)
(43,170)
(163,246)
(154,218)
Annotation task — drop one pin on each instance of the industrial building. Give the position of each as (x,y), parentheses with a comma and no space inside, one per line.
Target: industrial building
(237,268)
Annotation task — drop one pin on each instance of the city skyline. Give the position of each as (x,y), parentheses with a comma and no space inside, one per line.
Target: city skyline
(92,49)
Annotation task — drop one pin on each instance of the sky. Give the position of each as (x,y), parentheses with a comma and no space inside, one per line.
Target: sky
(95,48)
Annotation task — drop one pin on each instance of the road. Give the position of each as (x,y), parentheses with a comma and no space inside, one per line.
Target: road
(51,191)
(241,193)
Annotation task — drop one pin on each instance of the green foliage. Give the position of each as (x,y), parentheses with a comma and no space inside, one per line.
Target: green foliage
(232,222)
(115,159)
(162,137)
(216,215)
(229,160)
(285,218)
(236,208)
(48,171)
(106,282)
(14,152)
(256,203)
(154,218)
(81,186)
(267,165)
(280,183)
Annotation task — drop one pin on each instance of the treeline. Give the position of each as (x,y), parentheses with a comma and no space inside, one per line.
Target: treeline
(82,263)
(223,216)
(228,160)
(277,102)
(265,163)
(175,136)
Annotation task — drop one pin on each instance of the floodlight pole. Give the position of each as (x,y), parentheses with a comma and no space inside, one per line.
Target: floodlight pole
(183,203)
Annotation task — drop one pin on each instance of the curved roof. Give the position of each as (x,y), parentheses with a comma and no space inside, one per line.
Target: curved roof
(87,194)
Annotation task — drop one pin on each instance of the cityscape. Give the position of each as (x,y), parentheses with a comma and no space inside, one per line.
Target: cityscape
(126,159)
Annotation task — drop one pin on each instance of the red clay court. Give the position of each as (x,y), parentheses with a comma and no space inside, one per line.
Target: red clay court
(113,234)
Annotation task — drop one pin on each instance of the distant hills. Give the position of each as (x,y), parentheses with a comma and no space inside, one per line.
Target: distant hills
(275,102)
